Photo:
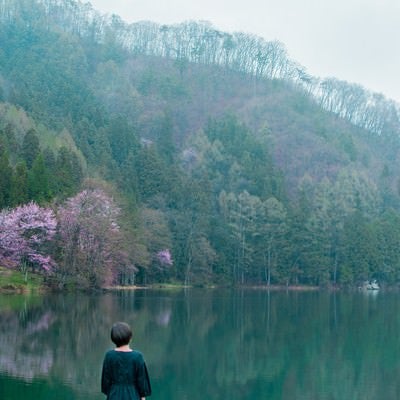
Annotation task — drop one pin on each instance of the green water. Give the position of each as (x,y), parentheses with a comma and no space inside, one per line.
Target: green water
(206,344)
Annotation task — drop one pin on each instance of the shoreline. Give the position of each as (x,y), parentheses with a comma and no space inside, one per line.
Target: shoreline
(12,281)
(10,288)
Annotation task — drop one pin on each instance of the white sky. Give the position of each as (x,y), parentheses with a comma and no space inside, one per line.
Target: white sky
(353,40)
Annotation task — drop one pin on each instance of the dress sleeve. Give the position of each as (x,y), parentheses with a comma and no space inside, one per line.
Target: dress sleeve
(143,380)
(105,377)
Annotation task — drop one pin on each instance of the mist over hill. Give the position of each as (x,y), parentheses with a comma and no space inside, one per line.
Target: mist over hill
(216,146)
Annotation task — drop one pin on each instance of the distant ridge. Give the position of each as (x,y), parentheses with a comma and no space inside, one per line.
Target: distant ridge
(201,42)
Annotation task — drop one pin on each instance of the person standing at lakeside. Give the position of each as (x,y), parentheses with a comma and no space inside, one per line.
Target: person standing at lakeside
(124,375)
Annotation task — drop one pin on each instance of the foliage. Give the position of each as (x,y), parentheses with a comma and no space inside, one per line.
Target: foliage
(164,257)
(221,152)
(90,233)
(23,233)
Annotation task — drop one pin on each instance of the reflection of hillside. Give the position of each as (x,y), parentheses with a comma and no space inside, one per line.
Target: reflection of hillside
(285,346)
(64,336)
(23,354)
(26,366)
(213,344)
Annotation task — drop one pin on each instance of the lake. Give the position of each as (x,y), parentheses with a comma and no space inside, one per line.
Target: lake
(213,344)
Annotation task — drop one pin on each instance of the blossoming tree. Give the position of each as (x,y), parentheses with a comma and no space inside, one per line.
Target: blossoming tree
(164,257)
(91,239)
(24,233)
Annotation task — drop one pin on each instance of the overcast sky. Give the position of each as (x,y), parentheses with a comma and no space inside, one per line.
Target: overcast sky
(353,40)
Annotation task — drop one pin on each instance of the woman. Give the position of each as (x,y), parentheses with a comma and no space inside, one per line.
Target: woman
(124,375)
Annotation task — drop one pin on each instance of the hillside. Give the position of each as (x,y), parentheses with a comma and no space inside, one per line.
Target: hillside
(217,147)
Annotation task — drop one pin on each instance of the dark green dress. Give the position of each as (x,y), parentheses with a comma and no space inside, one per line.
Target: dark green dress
(124,376)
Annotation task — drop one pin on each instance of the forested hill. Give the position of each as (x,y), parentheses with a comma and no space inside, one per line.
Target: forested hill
(221,159)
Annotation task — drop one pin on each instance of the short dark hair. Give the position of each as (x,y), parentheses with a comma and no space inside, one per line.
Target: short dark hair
(121,333)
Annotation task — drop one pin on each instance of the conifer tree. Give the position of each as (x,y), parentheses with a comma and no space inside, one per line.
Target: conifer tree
(68,172)
(19,192)
(38,181)
(6,178)
(30,147)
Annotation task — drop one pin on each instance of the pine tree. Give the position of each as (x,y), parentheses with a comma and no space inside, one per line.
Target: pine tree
(38,181)
(6,178)
(20,185)
(150,173)
(30,147)
(359,250)
(68,172)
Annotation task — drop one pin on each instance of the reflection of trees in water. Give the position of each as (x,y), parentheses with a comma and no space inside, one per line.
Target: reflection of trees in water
(298,345)
(216,344)
(65,336)
(22,352)
(34,337)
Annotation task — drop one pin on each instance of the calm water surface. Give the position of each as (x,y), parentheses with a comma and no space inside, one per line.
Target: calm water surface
(206,344)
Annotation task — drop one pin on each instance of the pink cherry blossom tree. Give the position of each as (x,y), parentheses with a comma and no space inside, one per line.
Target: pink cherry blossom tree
(24,233)
(90,239)
(164,257)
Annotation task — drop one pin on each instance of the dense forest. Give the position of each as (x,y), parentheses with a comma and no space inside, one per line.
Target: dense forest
(142,153)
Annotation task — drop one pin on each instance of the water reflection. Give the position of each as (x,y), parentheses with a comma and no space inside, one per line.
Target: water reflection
(206,344)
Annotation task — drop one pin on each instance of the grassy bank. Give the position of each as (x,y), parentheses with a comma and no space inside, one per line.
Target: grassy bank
(15,281)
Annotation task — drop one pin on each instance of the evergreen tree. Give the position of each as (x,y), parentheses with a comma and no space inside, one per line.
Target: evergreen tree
(359,250)
(30,147)
(68,172)
(244,213)
(319,236)
(122,138)
(38,181)
(273,234)
(150,173)
(190,222)
(165,142)
(388,236)
(10,141)
(20,185)
(50,163)
(128,181)
(6,177)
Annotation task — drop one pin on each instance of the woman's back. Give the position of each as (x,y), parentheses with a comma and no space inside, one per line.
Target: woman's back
(125,376)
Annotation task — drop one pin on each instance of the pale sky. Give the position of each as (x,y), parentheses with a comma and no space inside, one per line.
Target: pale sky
(353,40)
